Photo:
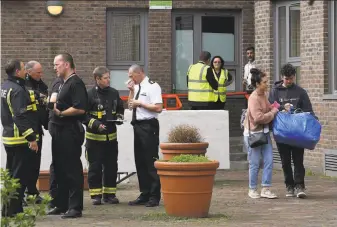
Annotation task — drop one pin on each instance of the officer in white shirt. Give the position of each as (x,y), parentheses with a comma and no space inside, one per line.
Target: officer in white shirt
(146,102)
(250,51)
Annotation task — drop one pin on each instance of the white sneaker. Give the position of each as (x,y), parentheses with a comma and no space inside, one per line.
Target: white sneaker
(266,193)
(253,194)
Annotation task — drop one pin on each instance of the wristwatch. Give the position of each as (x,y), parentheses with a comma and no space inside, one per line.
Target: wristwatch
(60,115)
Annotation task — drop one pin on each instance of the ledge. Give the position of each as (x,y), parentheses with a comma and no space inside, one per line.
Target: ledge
(330,97)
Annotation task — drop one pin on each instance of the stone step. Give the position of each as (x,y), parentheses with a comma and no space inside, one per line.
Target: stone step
(240,156)
(236,149)
(238,165)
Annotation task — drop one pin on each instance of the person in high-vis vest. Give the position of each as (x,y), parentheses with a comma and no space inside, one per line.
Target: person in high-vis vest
(218,78)
(105,110)
(200,92)
(20,134)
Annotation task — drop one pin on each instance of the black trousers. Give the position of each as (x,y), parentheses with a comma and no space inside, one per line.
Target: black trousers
(66,152)
(52,178)
(146,145)
(19,167)
(35,158)
(211,106)
(103,166)
(297,154)
(52,181)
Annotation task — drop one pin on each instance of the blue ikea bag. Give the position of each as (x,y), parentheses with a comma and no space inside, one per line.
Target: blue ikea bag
(298,129)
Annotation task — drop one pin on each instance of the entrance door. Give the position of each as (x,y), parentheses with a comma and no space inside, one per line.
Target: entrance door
(217,33)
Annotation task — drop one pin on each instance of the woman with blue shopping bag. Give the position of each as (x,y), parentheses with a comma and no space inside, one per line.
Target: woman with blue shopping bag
(259,115)
(289,95)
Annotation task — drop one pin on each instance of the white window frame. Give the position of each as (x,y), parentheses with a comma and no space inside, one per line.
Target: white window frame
(295,61)
(332,72)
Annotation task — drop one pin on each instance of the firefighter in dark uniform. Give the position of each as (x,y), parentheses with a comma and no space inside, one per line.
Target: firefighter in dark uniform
(104,108)
(145,100)
(36,85)
(20,134)
(67,138)
(54,88)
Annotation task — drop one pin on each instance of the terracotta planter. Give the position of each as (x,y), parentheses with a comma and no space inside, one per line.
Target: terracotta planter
(43,181)
(170,150)
(187,187)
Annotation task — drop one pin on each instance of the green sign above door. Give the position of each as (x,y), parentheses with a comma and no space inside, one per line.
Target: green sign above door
(160,4)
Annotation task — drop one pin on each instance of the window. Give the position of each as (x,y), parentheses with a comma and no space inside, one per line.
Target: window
(126,44)
(331,85)
(217,33)
(288,37)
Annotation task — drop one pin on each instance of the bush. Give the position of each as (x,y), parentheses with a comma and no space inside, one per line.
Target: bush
(184,134)
(9,188)
(189,158)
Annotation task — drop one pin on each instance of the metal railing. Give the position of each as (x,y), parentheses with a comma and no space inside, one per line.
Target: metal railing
(178,103)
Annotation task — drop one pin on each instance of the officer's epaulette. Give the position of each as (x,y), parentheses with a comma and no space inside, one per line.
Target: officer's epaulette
(151,81)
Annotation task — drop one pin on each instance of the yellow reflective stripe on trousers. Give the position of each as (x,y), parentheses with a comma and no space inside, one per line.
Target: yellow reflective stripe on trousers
(95,191)
(99,137)
(108,190)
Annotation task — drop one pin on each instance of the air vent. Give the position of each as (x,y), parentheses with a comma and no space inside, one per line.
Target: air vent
(330,162)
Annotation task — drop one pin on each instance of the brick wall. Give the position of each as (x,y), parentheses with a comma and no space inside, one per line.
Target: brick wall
(29,33)
(314,66)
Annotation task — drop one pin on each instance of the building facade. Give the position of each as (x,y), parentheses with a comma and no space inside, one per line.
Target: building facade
(119,33)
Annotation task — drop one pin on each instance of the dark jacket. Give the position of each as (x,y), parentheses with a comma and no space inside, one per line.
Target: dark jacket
(213,82)
(41,91)
(17,113)
(294,95)
(54,87)
(104,105)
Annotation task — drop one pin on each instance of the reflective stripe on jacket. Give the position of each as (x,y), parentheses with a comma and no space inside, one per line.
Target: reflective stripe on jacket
(199,89)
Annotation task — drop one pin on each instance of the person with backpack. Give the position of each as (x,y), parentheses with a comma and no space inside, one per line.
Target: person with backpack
(260,114)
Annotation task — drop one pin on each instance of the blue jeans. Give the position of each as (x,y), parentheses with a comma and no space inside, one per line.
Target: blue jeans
(254,156)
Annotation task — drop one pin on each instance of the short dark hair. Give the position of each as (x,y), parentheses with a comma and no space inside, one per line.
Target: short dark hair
(11,66)
(250,48)
(68,58)
(205,56)
(221,59)
(288,70)
(99,71)
(257,76)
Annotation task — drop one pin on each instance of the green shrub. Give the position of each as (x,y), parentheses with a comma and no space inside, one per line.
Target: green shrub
(189,158)
(9,188)
(184,134)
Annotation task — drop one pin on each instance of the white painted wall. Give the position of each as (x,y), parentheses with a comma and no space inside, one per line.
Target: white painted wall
(213,125)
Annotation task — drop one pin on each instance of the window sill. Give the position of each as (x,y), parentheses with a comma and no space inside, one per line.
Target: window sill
(330,97)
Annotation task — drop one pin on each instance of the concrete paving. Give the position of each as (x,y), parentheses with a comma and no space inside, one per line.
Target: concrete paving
(230,207)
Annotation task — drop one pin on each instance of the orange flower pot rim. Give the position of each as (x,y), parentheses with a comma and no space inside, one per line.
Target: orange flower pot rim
(191,146)
(177,166)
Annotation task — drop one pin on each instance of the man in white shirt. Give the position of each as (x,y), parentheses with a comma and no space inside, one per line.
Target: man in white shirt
(145,100)
(250,51)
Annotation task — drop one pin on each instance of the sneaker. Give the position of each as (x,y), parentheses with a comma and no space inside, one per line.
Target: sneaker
(266,193)
(300,193)
(253,194)
(290,192)
(111,200)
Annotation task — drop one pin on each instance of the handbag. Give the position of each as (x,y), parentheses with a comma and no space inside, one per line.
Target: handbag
(256,139)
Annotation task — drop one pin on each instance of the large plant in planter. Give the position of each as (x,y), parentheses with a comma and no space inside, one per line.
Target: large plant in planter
(183,139)
(187,184)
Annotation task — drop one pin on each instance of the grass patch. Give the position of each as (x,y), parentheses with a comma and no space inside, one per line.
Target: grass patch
(162,216)
(189,158)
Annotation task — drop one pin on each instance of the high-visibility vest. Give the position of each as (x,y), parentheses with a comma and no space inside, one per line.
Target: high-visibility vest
(199,89)
(221,92)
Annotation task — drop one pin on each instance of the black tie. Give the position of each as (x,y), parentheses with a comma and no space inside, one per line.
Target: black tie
(134,118)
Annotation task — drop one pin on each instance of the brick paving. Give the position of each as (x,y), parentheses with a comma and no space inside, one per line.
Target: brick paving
(230,207)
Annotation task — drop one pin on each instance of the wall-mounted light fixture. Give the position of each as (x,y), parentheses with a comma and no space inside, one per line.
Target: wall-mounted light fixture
(54,8)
